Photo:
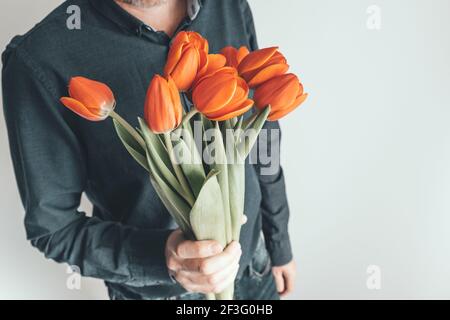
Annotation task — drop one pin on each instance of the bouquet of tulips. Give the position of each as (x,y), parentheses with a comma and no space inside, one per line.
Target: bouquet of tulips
(201,184)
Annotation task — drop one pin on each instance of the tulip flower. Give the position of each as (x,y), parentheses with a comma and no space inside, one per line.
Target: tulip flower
(163,110)
(222,95)
(89,99)
(183,61)
(209,63)
(234,56)
(284,93)
(262,65)
(195,38)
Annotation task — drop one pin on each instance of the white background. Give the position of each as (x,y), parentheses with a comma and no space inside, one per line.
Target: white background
(367,158)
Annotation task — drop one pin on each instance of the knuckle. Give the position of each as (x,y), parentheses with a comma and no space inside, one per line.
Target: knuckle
(172,264)
(179,249)
(212,280)
(204,267)
(197,247)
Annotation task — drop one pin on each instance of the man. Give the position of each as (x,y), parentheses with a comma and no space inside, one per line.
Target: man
(130,241)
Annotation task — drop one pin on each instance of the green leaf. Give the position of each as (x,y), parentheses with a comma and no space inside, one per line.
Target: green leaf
(250,135)
(207,216)
(191,165)
(236,184)
(172,200)
(132,146)
(220,165)
(159,155)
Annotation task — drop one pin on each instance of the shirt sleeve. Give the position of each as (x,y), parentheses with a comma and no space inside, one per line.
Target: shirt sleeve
(274,206)
(51,175)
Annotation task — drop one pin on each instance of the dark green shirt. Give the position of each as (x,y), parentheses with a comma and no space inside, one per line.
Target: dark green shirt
(58,155)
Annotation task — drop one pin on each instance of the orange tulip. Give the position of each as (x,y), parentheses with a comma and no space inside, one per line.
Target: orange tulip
(163,110)
(262,65)
(234,56)
(195,38)
(284,94)
(209,63)
(183,61)
(222,95)
(89,99)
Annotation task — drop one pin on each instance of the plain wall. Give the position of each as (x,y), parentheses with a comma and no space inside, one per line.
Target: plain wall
(367,158)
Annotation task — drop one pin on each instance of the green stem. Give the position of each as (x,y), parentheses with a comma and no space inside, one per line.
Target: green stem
(238,124)
(188,116)
(210,296)
(178,172)
(249,121)
(226,294)
(129,128)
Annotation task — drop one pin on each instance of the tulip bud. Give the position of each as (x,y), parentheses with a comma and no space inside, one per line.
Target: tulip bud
(284,94)
(89,99)
(183,61)
(234,56)
(222,95)
(196,39)
(262,65)
(163,109)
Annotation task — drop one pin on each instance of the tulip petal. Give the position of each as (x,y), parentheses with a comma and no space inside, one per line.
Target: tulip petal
(281,113)
(247,105)
(236,103)
(230,54)
(241,54)
(279,92)
(77,107)
(234,56)
(159,112)
(203,64)
(277,58)
(198,41)
(209,64)
(214,92)
(176,101)
(215,62)
(256,59)
(182,36)
(173,57)
(267,74)
(299,94)
(186,69)
(239,98)
(94,95)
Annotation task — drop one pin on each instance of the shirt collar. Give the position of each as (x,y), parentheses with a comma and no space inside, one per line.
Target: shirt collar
(111,10)
(193,8)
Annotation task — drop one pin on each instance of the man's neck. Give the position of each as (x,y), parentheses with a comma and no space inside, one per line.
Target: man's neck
(162,15)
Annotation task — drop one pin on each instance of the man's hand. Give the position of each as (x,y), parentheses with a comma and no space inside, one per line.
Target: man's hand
(202,266)
(285,278)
